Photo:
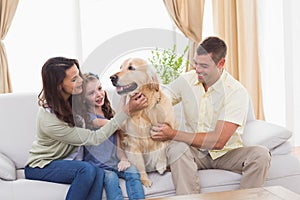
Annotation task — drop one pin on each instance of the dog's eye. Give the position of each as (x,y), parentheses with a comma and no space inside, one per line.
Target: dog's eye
(131,68)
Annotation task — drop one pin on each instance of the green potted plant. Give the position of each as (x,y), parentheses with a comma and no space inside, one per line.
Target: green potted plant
(168,64)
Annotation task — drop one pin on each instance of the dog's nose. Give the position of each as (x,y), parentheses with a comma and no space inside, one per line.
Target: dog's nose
(114,79)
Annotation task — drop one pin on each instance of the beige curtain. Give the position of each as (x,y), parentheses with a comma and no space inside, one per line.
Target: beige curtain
(235,21)
(7,12)
(188,17)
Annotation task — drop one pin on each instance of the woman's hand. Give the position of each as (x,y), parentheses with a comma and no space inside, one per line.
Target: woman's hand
(136,103)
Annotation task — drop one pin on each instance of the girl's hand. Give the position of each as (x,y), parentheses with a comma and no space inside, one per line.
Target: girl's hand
(123,165)
(99,122)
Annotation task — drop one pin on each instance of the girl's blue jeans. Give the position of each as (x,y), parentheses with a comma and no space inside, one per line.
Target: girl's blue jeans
(134,185)
(86,180)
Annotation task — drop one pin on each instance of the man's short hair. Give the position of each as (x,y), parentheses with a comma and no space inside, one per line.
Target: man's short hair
(215,46)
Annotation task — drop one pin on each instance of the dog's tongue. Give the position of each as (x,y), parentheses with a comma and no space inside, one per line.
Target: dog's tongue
(119,89)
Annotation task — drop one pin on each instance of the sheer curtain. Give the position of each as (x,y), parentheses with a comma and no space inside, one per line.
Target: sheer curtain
(291,31)
(235,21)
(279,29)
(7,11)
(188,16)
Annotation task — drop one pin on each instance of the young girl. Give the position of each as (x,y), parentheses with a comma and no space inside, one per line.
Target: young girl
(57,137)
(108,155)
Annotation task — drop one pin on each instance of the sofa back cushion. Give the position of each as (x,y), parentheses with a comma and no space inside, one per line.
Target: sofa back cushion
(17,125)
(258,132)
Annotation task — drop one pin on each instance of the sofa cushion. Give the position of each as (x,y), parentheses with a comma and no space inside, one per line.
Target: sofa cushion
(259,132)
(7,168)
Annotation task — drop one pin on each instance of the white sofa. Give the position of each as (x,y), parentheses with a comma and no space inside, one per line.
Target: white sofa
(17,131)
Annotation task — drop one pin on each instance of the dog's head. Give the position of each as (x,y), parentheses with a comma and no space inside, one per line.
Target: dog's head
(134,74)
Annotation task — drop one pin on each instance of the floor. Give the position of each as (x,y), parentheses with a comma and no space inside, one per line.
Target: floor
(296,152)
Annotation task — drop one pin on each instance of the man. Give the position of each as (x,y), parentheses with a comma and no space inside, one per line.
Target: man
(215,107)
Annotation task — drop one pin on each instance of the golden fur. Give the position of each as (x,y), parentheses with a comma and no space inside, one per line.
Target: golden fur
(143,152)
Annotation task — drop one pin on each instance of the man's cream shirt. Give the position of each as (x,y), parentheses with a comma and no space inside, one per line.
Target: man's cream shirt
(226,100)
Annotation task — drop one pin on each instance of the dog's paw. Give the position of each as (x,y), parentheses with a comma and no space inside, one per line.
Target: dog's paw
(162,170)
(161,167)
(147,183)
(145,180)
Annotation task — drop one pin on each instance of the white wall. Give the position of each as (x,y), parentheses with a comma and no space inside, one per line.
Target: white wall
(102,20)
(71,28)
(40,30)
(104,23)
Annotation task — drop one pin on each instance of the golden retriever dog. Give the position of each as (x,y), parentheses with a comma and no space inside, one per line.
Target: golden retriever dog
(136,75)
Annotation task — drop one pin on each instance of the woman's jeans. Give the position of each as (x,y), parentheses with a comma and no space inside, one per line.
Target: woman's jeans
(134,185)
(86,180)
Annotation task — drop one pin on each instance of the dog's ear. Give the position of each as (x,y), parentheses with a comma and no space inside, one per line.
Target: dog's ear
(154,83)
(154,86)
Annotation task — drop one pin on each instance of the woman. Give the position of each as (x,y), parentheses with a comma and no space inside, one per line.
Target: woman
(58,138)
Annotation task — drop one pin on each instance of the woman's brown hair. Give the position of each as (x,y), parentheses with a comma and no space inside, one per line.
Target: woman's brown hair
(53,74)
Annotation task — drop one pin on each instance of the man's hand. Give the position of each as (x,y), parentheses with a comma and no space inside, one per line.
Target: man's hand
(162,132)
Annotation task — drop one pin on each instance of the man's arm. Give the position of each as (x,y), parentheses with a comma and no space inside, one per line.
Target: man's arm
(214,140)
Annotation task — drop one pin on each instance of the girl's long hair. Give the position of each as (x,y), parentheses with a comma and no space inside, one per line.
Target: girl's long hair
(53,74)
(106,107)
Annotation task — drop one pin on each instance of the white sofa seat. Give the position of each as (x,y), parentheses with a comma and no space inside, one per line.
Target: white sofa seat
(17,130)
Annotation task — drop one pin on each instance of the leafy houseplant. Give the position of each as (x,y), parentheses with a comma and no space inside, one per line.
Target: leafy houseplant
(168,64)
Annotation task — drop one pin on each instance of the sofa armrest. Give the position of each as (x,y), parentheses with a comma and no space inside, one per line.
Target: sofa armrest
(7,168)
(258,132)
